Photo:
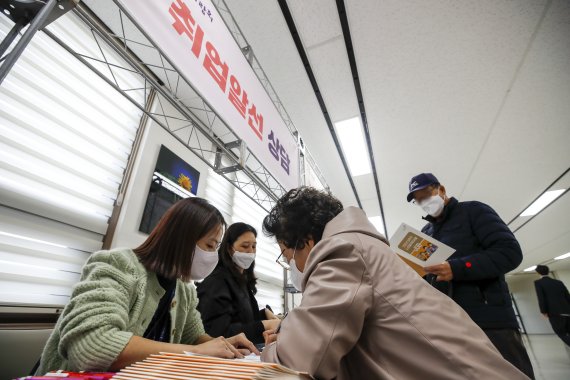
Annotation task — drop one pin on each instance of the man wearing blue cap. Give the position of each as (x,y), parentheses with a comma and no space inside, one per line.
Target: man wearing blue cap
(474,276)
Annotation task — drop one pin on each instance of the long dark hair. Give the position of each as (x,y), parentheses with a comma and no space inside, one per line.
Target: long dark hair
(169,249)
(233,233)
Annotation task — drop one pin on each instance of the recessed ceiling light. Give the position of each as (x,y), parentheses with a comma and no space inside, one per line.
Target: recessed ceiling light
(542,201)
(562,257)
(530,269)
(351,137)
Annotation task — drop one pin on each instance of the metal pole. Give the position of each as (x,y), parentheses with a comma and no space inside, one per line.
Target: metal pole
(285,295)
(114,219)
(26,38)
(11,36)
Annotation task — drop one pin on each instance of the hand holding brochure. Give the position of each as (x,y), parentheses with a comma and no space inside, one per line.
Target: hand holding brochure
(418,248)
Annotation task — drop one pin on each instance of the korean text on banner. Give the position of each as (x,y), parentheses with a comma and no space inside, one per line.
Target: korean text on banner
(198,43)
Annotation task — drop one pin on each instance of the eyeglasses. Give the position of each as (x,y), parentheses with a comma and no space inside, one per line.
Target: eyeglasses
(284,264)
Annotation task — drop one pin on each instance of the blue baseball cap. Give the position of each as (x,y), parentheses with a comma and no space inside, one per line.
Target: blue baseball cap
(421,181)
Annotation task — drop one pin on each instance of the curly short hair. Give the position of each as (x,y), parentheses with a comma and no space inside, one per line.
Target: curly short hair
(300,215)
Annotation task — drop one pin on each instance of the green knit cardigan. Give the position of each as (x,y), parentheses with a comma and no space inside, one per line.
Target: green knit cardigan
(115,299)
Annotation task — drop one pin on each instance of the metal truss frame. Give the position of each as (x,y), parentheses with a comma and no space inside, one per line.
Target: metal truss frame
(240,39)
(189,119)
(193,123)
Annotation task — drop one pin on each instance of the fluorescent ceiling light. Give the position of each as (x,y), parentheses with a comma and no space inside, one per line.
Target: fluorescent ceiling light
(351,137)
(530,269)
(562,257)
(377,222)
(543,201)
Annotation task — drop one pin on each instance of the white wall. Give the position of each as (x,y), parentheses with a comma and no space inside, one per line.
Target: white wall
(127,233)
(522,287)
(564,276)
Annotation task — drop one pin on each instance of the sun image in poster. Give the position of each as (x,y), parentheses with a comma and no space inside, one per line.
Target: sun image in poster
(173,179)
(177,170)
(185,182)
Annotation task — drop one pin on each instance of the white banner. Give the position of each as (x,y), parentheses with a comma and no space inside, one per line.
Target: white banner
(195,38)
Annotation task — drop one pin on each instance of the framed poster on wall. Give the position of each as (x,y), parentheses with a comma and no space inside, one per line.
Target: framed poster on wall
(173,179)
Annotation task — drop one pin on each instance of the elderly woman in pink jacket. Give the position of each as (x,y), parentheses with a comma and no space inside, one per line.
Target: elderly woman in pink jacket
(364,313)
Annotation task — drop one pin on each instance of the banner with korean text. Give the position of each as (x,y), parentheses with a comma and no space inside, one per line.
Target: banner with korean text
(198,43)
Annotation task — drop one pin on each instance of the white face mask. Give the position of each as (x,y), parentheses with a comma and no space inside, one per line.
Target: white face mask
(243,259)
(203,264)
(296,275)
(433,205)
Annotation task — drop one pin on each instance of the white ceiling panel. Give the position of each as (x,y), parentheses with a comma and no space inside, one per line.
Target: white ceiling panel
(529,147)
(266,30)
(433,76)
(331,68)
(325,47)
(316,20)
(367,191)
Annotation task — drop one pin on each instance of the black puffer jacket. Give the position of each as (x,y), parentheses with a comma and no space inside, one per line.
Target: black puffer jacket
(228,308)
(486,249)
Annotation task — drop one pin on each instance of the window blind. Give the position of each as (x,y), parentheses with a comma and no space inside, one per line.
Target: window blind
(65,138)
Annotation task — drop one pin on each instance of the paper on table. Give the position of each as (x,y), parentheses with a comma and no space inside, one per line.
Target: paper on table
(251,358)
(419,248)
(179,366)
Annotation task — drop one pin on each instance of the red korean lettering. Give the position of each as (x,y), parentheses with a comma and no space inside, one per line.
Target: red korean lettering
(237,96)
(215,67)
(184,23)
(255,121)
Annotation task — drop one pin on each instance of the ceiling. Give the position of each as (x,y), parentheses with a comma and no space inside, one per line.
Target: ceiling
(477,93)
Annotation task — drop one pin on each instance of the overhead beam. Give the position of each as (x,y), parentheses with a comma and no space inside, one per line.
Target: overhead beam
(304,58)
(359,97)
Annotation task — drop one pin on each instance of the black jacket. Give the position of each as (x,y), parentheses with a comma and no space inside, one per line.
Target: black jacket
(486,249)
(553,297)
(227,308)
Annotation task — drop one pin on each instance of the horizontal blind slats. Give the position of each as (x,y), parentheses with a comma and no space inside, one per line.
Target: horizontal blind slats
(65,139)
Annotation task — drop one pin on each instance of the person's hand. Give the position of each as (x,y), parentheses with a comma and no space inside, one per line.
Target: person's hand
(545,315)
(269,314)
(442,271)
(241,343)
(271,324)
(218,347)
(270,336)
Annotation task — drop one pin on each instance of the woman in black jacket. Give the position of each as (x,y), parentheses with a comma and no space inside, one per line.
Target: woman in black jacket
(227,296)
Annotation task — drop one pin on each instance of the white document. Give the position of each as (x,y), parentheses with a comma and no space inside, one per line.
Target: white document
(251,358)
(418,247)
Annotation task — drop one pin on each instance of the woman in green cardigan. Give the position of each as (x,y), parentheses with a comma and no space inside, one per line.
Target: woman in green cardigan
(130,303)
